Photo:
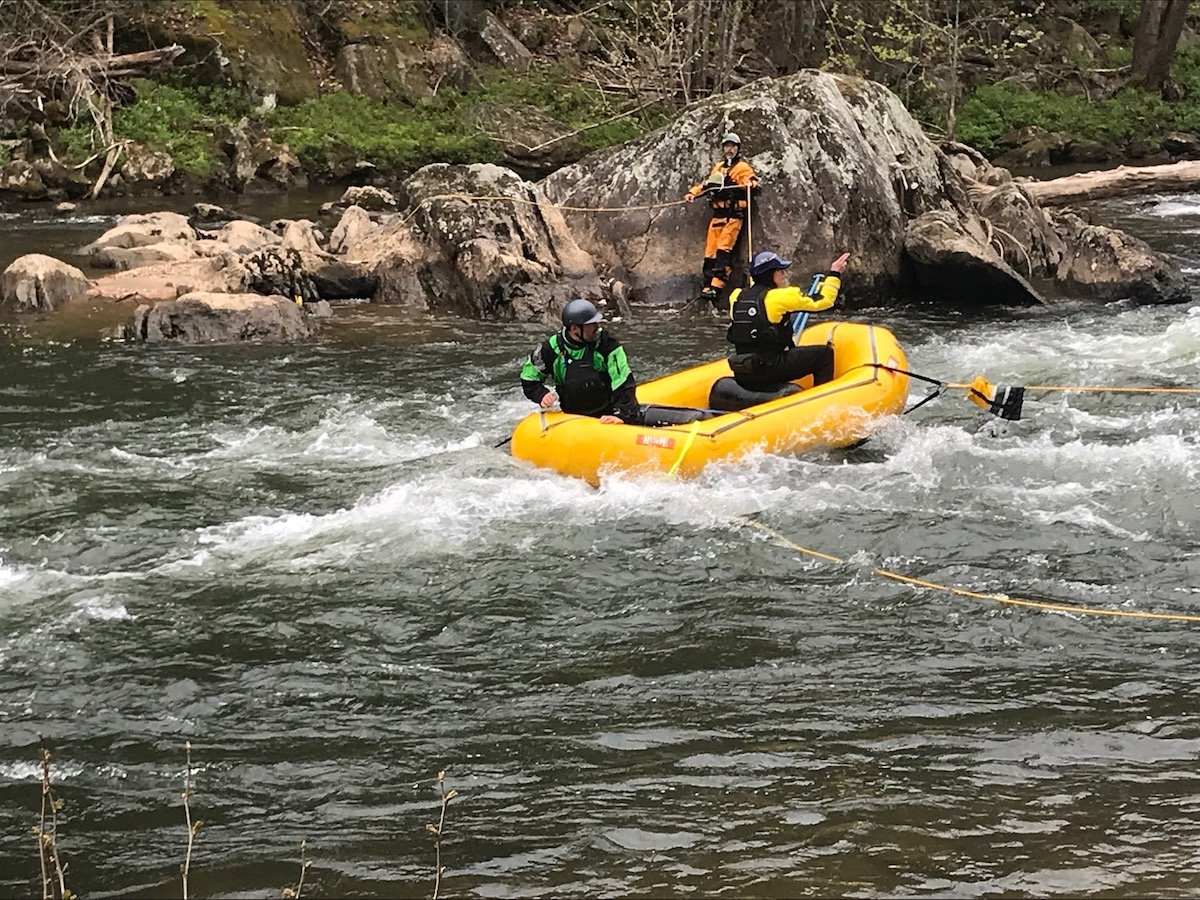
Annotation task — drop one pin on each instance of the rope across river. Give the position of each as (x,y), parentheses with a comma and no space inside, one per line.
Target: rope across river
(925,584)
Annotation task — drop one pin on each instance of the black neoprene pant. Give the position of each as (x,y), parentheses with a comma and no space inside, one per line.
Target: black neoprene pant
(767,371)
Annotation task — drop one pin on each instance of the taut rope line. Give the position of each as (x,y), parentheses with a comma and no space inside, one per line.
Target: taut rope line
(1044,605)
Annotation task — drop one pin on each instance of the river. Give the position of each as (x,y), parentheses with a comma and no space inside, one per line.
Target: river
(312,563)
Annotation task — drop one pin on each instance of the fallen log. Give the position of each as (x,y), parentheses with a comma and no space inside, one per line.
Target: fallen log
(1122,181)
(52,63)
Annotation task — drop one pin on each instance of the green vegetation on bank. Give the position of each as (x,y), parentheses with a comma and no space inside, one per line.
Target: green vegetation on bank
(181,119)
(446,127)
(176,119)
(1131,116)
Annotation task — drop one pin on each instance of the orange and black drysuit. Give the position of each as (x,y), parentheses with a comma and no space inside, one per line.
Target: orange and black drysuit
(726,189)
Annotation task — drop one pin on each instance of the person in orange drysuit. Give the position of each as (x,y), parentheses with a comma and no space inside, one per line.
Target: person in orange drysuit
(727,187)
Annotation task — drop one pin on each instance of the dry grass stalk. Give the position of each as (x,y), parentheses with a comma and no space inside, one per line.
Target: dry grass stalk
(294,893)
(192,827)
(54,873)
(438,830)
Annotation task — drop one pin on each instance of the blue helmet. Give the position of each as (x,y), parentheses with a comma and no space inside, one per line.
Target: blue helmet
(767,262)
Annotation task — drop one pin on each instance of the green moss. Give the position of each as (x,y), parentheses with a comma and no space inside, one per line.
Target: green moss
(177,120)
(992,110)
(263,38)
(391,137)
(442,129)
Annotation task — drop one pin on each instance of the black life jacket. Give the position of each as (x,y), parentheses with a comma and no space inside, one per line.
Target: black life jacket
(750,331)
(584,387)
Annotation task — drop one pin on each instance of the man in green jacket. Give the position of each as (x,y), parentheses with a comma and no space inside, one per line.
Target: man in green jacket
(587,366)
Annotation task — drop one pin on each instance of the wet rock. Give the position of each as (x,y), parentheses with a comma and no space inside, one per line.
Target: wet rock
(146,168)
(336,279)
(1107,264)
(37,283)
(354,224)
(224,273)
(510,259)
(954,263)
(218,318)
(138,230)
(123,258)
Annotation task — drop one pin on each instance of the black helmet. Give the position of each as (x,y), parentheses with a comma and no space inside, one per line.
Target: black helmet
(580,312)
(767,262)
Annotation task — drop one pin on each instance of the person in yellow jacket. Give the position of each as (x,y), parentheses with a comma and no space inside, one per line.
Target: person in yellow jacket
(762,325)
(727,189)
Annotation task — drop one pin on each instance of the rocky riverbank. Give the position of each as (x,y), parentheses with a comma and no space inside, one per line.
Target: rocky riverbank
(844,168)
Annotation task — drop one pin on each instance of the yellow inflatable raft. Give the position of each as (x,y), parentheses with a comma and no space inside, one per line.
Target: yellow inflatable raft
(836,414)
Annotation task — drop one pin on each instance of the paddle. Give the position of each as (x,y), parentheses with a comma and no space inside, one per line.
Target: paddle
(1002,401)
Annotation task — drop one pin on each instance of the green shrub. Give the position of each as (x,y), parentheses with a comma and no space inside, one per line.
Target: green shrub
(992,110)
(177,120)
(441,128)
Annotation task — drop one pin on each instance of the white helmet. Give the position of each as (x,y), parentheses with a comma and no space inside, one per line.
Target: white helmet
(731,137)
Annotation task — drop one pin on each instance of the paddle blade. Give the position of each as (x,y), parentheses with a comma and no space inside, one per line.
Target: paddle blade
(1000,400)
(981,392)
(1007,402)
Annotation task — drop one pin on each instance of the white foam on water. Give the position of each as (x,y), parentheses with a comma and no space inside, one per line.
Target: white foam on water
(32,771)
(100,608)
(1172,207)
(344,435)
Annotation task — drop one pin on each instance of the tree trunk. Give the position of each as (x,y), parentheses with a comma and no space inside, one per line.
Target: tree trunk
(1158,29)
(1122,181)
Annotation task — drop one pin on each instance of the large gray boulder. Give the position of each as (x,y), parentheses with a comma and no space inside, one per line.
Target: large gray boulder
(956,264)
(208,318)
(1107,264)
(477,240)
(37,283)
(844,167)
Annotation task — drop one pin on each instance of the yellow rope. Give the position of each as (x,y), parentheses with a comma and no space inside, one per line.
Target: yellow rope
(978,595)
(1100,389)
(687,445)
(476,198)
(1089,388)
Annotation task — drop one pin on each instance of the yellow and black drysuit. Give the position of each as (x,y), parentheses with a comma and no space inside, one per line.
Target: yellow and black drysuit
(726,189)
(764,356)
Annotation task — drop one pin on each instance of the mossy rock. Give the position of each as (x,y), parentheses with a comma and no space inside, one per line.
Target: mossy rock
(255,43)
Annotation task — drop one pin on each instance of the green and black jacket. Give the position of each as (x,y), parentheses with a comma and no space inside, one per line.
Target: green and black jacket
(613,387)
